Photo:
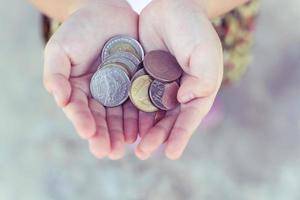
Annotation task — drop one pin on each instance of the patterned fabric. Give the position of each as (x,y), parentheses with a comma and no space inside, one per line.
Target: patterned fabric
(236,33)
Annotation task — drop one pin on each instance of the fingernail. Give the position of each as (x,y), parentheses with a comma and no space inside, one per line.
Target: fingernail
(141,154)
(186,98)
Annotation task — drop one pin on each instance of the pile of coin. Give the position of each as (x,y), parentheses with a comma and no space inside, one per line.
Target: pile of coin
(151,81)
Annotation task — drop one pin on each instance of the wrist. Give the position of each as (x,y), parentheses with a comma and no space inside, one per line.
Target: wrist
(79,4)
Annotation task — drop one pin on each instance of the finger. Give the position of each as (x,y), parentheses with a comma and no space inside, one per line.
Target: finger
(190,116)
(193,87)
(159,115)
(115,126)
(130,122)
(156,136)
(79,113)
(57,69)
(201,78)
(100,143)
(146,122)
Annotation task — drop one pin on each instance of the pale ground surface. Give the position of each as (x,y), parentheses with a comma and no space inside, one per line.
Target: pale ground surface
(253,154)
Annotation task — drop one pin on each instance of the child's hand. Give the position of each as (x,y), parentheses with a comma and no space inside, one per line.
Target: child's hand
(181,27)
(72,56)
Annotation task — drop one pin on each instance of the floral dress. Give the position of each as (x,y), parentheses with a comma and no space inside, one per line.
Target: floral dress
(235,30)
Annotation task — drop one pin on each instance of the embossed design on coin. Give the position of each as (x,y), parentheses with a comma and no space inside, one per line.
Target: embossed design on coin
(110,86)
(139,94)
(162,66)
(117,65)
(126,55)
(131,67)
(122,43)
(164,95)
(139,73)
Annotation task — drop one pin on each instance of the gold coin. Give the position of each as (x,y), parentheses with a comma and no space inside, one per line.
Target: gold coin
(139,94)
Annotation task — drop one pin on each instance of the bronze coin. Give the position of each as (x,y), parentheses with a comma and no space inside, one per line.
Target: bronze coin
(164,95)
(163,66)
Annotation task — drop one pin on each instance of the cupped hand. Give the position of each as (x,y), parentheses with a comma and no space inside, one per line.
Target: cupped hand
(72,56)
(182,28)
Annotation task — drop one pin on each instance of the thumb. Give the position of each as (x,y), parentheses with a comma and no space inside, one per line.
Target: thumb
(57,69)
(193,87)
(203,74)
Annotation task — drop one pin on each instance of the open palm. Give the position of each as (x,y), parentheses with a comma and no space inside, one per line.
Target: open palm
(182,28)
(72,56)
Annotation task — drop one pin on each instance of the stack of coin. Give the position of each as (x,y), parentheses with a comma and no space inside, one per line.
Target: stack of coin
(155,86)
(120,57)
(151,82)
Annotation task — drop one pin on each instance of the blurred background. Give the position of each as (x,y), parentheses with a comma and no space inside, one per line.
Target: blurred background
(254,153)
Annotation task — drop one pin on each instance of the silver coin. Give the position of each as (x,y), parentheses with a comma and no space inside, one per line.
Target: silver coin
(110,86)
(139,73)
(126,55)
(130,66)
(122,43)
(118,65)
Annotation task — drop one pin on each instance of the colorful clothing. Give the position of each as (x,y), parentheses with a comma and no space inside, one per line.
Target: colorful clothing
(236,33)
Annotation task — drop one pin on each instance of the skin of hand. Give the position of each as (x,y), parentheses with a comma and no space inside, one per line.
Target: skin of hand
(70,59)
(182,28)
